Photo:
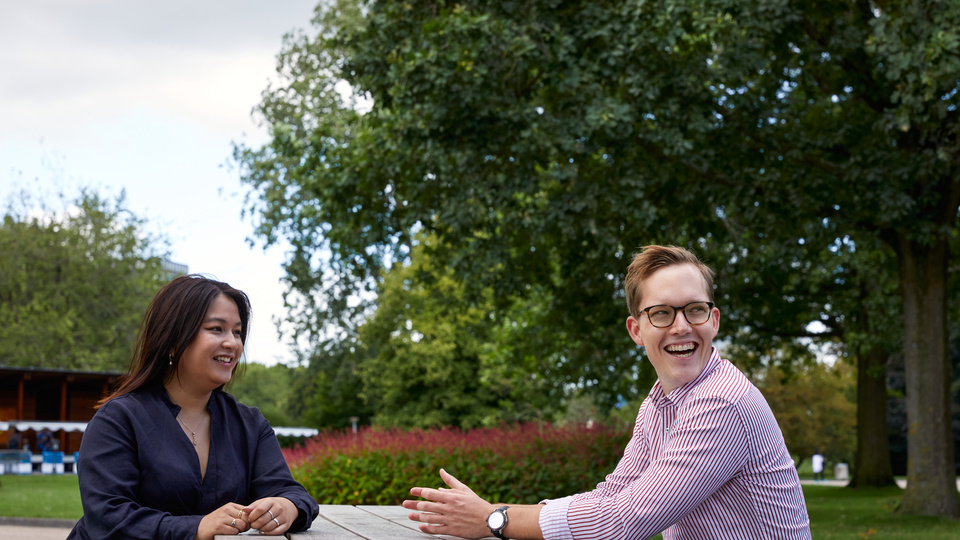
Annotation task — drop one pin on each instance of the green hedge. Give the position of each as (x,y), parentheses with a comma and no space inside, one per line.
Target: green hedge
(520,464)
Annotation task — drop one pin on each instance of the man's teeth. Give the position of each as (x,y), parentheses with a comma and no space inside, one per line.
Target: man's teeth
(681,349)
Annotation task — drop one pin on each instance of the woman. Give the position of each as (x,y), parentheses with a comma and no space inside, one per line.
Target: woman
(169,454)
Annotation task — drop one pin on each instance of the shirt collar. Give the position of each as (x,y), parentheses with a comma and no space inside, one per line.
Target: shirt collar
(160,392)
(678,394)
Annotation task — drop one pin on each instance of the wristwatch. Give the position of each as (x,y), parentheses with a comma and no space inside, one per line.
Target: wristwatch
(497,520)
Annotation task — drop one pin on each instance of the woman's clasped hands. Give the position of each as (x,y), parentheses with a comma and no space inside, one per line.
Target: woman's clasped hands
(272,516)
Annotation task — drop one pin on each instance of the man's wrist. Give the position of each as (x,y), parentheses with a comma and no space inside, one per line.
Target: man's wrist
(497,521)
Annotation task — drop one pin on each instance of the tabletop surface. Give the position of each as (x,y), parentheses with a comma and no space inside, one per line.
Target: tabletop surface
(345,522)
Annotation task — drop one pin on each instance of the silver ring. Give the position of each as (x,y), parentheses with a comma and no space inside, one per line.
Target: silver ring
(271,514)
(234,524)
(277,522)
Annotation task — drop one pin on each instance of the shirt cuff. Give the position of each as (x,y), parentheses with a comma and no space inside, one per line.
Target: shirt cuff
(553,519)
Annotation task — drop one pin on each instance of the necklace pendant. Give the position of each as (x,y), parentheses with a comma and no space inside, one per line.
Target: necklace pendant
(192,431)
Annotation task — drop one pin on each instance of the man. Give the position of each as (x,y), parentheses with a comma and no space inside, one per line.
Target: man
(706,460)
(13,443)
(817,462)
(44,440)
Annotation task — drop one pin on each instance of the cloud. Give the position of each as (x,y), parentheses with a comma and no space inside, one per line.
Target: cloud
(68,63)
(145,97)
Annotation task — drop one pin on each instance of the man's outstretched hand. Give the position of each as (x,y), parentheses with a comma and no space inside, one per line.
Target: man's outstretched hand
(456,510)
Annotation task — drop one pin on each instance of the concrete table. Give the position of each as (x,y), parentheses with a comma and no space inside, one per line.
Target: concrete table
(345,522)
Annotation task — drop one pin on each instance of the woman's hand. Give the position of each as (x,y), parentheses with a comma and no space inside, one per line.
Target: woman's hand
(228,519)
(271,515)
(457,510)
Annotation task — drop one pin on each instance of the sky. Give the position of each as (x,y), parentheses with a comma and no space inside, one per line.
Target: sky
(148,97)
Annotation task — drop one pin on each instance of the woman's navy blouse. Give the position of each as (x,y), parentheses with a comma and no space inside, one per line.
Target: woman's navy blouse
(140,475)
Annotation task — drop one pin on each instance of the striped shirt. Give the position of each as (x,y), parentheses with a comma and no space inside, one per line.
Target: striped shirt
(706,461)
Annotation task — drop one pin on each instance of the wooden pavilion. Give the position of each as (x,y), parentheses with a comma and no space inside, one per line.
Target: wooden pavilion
(60,400)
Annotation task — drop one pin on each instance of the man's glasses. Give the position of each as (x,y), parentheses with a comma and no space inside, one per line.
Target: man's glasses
(662,315)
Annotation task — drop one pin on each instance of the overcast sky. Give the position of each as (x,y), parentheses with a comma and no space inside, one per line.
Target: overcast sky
(148,97)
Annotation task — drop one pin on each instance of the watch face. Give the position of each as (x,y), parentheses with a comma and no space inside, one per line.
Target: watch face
(495,520)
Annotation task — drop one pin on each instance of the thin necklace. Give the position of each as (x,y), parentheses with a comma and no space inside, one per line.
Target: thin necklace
(192,431)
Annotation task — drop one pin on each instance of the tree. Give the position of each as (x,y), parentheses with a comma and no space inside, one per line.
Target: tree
(430,359)
(423,365)
(873,336)
(74,285)
(328,394)
(268,388)
(866,97)
(850,294)
(544,140)
(318,137)
(814,406)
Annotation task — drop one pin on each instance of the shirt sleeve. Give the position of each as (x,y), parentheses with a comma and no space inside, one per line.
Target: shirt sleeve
(553,517)
(705,449)
(272,478)
(109,475)
(635,460)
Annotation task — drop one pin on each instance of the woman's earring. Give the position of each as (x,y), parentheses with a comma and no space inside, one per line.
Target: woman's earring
(171,360)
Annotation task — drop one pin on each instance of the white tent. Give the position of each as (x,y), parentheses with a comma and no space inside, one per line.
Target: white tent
(37,425)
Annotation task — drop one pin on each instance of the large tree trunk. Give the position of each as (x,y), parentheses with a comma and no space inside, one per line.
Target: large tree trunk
(872,464)
(931,484)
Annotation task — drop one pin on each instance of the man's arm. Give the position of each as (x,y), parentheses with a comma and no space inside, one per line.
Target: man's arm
(523,521)
(706,448)
(641,497)
(458,511)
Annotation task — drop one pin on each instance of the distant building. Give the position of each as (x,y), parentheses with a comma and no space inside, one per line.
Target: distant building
(174,269)
(62,401)
(58,399)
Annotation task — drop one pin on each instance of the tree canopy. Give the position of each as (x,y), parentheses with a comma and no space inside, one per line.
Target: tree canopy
(429,358)
(543,141)
(267,388)
(74,284)
(815,409)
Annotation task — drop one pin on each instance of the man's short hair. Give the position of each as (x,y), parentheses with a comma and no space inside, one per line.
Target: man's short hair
(652,258)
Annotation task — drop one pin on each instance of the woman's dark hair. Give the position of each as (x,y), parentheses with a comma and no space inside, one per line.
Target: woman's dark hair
(170,323)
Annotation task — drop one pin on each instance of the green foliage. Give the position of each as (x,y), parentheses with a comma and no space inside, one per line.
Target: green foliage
(543,141)
(584,130)
(422,366)
(268,388)
(328,395)
(815,407)
(74,284)
(430,356)
(520,464)
(360,186)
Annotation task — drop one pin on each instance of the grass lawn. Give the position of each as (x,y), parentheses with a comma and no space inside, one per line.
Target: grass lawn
(41,496)
(869,513)
(834,512)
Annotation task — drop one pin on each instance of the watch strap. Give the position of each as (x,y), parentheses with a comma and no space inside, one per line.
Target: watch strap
(498,532)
